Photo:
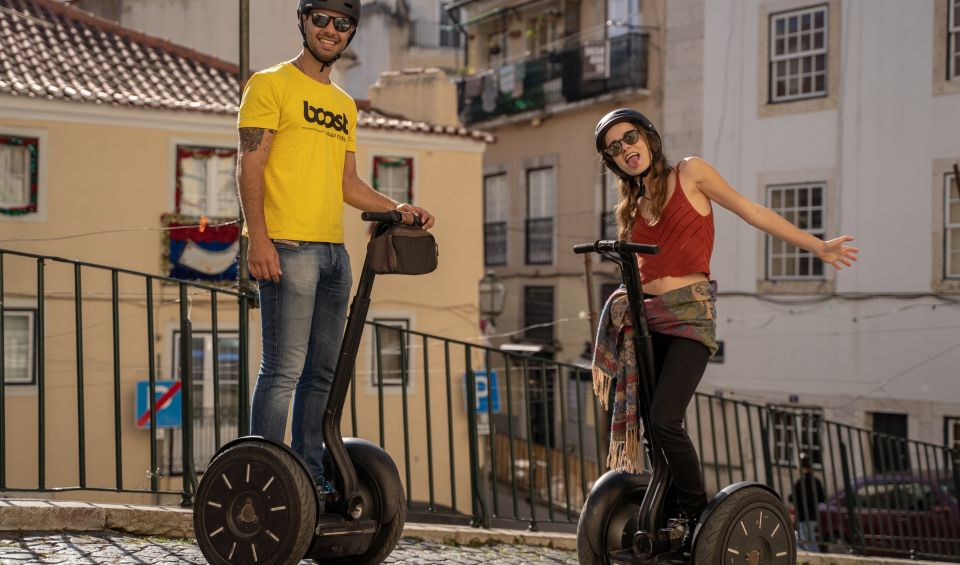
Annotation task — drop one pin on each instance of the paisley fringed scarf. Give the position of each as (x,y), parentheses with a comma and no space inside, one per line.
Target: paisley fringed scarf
(687,312)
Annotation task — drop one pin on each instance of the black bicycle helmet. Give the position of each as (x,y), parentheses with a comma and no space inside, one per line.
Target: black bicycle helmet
(349,7)
(615,117)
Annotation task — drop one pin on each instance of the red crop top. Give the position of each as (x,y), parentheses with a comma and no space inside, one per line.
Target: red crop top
(684,236)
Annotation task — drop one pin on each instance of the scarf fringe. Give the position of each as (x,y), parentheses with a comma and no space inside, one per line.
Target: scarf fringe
(626,454)
(601,386)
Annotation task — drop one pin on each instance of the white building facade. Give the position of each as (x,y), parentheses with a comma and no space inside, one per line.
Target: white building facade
(843,116)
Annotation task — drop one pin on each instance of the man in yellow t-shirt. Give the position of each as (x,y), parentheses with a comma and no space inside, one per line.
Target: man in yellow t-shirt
(296,168)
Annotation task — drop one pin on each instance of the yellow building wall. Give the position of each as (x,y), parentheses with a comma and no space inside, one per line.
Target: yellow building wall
(103,177)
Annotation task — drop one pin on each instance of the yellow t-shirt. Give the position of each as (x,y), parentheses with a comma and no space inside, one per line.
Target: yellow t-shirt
(303,180)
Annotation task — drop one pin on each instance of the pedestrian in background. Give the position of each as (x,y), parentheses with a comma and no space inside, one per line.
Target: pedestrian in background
(807,495)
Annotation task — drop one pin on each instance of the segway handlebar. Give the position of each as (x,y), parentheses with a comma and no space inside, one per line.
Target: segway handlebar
(392,217)
(607,245)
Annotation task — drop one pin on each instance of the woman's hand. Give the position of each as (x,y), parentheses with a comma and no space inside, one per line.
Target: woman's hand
(835,252)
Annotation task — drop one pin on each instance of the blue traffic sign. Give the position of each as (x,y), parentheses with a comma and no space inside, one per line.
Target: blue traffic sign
(168,404)
(487,392)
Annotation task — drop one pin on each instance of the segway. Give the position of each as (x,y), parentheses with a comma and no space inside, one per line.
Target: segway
(256,502)
(630,518)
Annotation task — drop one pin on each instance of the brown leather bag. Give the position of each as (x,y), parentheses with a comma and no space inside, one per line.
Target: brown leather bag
(403,250)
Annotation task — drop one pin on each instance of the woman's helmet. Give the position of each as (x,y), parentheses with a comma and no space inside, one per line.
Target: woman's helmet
(349,7)
(625,115)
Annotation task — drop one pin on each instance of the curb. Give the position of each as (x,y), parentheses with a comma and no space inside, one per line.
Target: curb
(173,522)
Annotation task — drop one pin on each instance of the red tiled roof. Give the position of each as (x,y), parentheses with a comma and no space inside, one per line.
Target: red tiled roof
(54,51)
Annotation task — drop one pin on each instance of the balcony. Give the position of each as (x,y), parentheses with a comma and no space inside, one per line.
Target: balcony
(584,71)
(539,241)
(433,35)
(495,244)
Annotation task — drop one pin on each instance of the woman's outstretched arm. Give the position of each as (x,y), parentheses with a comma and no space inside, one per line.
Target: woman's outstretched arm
(712,184)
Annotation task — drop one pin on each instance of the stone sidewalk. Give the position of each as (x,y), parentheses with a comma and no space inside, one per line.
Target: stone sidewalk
(48,532)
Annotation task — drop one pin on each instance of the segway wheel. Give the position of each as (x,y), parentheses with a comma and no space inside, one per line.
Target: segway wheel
(750,526)
(608,518)
(384,501)
(255,504)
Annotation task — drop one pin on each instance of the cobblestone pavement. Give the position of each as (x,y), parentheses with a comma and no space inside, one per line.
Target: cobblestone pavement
(109,548)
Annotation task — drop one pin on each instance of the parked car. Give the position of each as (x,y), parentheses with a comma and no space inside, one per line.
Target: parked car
(898,514)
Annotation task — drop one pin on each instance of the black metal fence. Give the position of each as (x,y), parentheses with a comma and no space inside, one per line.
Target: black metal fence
(479,434)
(565,75)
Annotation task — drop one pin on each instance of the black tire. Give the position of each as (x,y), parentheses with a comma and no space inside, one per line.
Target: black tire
(749,520)
(608,518)
(378,480)
(255,504)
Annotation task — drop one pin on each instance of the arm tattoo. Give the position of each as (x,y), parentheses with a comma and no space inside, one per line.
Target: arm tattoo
(250,138)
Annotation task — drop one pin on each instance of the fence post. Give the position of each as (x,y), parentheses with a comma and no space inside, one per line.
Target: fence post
(480,517)
(765,447)
(856,539)
(186,376)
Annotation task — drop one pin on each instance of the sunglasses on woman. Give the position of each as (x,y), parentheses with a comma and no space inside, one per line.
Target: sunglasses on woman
(340,23)
(616,147)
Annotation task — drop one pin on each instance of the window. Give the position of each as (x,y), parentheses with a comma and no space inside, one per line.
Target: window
(608,219)
(204,394)
(449,34)
(792,428)
(19,347)
(495,215)
(951,432)
(393,176)
(392,339)
(538,317)
(891,452)
(541,203)
(206,182)
(803,206)
(953,32)
(623,16)
(798,54)
(19,173)
(951,226)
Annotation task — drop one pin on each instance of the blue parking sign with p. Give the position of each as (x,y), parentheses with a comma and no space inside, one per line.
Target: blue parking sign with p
(488,393)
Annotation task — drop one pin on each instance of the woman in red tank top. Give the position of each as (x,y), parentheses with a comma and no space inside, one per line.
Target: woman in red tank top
(671,206)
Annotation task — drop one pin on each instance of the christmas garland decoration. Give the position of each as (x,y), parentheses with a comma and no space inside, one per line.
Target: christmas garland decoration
(32,145)
(393,162)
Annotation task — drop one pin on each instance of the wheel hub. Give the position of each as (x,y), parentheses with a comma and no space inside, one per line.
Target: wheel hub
(245,514)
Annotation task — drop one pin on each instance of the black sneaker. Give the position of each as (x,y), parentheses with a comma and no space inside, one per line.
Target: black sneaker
(325,489)
(686,542)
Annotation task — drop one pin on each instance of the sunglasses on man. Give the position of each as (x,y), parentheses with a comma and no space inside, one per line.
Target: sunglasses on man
(340,23)
(615,148)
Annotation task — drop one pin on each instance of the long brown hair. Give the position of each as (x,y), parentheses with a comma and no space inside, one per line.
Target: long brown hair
(627,210)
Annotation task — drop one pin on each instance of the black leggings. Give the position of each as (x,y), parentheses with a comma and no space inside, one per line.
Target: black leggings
(680,364)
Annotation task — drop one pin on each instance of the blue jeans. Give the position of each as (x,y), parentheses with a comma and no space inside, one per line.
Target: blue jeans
(302,321)
(809,533)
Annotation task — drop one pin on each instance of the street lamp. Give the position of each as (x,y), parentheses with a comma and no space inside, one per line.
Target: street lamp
(492,292)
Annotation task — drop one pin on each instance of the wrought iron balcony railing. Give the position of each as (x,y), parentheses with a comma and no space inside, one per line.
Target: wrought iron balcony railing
(495,244)
(539,241)
(568,75)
